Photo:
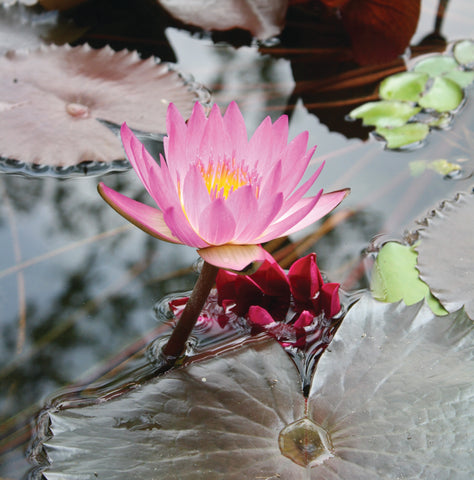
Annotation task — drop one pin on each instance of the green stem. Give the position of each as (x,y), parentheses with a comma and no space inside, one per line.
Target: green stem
(177,342)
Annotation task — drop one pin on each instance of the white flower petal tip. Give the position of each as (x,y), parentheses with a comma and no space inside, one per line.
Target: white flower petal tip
(238,258)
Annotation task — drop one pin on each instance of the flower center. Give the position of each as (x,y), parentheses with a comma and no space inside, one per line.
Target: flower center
(224,177)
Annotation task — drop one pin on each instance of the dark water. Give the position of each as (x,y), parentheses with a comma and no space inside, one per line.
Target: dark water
(78,284)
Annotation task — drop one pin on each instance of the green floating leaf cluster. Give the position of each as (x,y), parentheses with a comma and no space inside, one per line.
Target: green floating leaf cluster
(395,277)
(434,88)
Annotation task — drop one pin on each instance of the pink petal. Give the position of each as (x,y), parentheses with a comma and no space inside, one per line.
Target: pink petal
(195,196)
(182,229)
(233,257)
(145,166)
(280,136)
(289,204)
(259,317)
(215,144)
(217,223)
(243,204)
(271,180)
(258,223)
(327,202)
(295,161)
(289,219)
(260,147)
(176,128)
(235,126)
(196,125)
(147,218)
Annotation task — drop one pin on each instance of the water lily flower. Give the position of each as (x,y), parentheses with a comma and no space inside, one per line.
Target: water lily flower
(273,289)
(219,192)
(297,308)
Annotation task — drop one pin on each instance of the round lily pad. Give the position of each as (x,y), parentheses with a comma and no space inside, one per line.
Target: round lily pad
(444,95)
(55,103)
(463,52)
(444,66)
(395,277)
(436,65)
(446,253)
(385,113)
(404,135)
(404,86)
(391,398)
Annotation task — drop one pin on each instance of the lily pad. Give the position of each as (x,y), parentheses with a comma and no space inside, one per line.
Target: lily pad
(54,98)
(391,399)
(395,277)
(446,253)
(404,135)
(385,113)
(405,86)
(444,66)
(395,393)
(442,166)
(263,19)
(443,96)
(463,52)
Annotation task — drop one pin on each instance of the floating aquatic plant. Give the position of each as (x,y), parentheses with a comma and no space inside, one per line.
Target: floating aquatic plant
(221,193)
(415,101)
(395,277)
(390,399)
(436,262)
(53,98)
(297,308)
(446,253)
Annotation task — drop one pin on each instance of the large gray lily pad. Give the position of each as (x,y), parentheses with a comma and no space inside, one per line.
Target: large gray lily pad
(446,253)
(52,98)
(394,392)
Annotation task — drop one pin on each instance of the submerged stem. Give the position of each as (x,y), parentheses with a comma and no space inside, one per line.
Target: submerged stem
(177,341)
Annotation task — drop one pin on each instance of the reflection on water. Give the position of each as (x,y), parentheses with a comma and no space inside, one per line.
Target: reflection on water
(77,285)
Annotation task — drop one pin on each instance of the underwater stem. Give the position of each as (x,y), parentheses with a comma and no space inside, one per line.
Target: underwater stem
(177,341)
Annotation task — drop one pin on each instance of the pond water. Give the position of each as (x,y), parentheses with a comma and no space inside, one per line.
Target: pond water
(78,284)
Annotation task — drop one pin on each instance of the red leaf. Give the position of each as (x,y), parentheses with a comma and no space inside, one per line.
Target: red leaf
(380,30)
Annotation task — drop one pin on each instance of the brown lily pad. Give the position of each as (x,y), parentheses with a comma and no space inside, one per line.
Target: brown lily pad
(54,102)
(446,253)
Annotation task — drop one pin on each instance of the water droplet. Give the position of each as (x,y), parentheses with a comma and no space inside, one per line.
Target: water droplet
(306,443)
(77,110)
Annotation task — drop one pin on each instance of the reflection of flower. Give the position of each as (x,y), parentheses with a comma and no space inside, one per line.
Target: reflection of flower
(283,305)
(219,192)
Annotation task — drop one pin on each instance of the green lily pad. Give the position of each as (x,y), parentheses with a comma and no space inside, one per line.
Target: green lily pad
(395,277)
(444,66)
(443,96)
(392,398)
(441,166)
(436,65)
(405,86)
(385,113)
(446,253)
(407,134)
(464,53)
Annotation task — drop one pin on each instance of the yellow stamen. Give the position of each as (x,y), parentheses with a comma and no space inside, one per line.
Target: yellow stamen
(224,177)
